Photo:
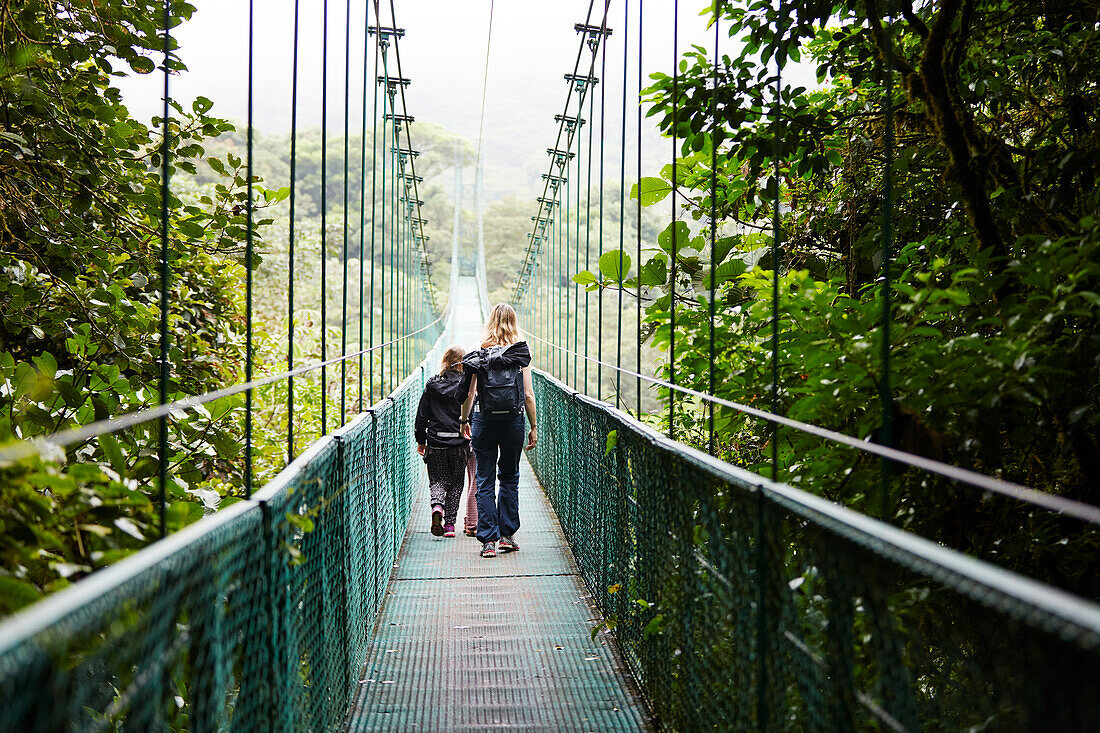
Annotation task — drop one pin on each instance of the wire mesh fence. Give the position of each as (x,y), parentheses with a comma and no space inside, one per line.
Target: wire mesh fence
(741,603)
(254,619)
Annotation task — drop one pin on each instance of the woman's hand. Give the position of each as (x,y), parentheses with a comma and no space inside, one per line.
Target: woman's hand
(466,430)
(421,448)
(532,437)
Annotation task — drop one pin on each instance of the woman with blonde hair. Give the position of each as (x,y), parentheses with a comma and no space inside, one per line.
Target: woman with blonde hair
(501,384)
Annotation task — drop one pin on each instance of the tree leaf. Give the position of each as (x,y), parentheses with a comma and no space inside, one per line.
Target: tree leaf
(649,191)
(609,265)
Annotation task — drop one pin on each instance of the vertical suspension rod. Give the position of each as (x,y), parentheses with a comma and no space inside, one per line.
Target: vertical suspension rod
(290,241)
(166,151)
(249,243)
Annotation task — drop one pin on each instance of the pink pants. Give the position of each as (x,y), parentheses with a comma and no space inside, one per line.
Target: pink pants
(471,494)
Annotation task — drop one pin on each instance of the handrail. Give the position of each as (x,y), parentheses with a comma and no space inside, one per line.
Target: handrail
(105,621)
(700,566)
(30,447)
(1053,502)
(920,553)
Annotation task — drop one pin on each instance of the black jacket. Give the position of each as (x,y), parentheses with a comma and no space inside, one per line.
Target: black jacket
(518,354)
(439,410)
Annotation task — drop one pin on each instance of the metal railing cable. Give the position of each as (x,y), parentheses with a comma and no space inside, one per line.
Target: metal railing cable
(599,233)
(1053,502)
(28,448)
(556,348)
(211,627)
(363,208)
(753,605)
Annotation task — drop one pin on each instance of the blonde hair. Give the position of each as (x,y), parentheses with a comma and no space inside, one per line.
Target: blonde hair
(501,329)
(452,359)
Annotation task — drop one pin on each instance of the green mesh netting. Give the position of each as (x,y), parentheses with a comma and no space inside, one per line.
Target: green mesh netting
(742,604)
(254,619)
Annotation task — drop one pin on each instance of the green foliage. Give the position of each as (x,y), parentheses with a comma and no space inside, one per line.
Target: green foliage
(80,217)
(993,345)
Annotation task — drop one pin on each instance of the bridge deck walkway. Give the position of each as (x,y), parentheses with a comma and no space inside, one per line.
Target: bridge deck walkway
(466,643)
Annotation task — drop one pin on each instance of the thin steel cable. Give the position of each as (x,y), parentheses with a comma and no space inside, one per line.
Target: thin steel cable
(562,363)
(1059,504)
(603,142)
(885,393)
(165,273)
(363,200)
(373,191)
(572,250)
(402,263)
(576,259)
(344,257)
(249,244)
(382,230)
(28,448)
(622,207)
(588,228)
(402,271)
(761,625)
(713,226)
(576,211)
(776,234)
(672,240)
(484,85)
(638,304)
(395,243)
(290,240)
(324,218)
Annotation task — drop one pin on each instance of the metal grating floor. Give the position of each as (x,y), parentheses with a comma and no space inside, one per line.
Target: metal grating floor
(466,643)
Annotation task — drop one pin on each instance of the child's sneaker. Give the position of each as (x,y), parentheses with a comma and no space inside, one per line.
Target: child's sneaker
(448,530)
(471,531)
(489,549)
(437,521)
(507,544)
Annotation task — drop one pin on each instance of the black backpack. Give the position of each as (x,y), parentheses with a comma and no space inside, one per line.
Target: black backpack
(500,388)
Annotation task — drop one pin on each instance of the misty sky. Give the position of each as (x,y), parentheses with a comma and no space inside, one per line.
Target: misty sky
(443,53)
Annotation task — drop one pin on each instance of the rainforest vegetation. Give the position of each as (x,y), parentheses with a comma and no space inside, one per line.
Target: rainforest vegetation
(993,153)
(986,116)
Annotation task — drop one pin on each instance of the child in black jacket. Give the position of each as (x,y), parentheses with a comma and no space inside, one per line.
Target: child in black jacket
(440,441)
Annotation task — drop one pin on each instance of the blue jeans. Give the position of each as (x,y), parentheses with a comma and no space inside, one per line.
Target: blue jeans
(498,445)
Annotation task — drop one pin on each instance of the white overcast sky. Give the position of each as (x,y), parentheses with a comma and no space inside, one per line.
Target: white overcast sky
(443,52)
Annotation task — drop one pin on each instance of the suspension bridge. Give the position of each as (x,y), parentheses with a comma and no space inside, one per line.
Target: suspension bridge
(658,586)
